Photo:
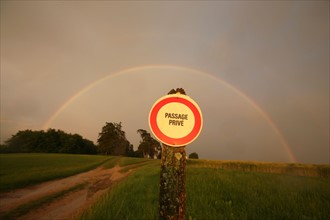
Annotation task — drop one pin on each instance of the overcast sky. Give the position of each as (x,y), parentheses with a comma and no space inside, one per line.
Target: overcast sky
(258,70)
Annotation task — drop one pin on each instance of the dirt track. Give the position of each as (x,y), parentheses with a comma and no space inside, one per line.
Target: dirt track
(95,183)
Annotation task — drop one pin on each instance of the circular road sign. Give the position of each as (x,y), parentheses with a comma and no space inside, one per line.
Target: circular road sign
(175,120)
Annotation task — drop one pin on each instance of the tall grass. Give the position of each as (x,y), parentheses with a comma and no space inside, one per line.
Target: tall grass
(136,197)
(215,193)
(215,189)
(19,170)
(227,194)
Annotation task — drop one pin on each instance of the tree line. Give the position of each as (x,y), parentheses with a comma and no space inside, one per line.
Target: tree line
(50,141)
(111,141)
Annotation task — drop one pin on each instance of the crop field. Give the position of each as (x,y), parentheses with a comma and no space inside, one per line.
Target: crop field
(214,189)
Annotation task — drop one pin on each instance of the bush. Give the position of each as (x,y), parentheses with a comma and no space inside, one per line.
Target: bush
(193,156)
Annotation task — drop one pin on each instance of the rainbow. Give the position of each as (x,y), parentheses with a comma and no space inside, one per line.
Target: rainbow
(146,67)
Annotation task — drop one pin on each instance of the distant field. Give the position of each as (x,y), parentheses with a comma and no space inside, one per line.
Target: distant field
(313,170)
(19,170)
(215,189)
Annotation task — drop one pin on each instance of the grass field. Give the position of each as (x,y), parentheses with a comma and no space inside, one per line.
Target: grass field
(134,198)
(19,170)
(296,169)
(213,190)
(216,193)
(226,194)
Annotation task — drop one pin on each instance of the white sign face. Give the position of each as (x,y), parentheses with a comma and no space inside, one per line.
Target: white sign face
(175,120)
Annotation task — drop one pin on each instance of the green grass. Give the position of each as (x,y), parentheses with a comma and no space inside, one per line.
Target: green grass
(215,189)
(136,197)
(123,161)
(215,193)
(20,170)
(316,170)
(224,194)
(127,163)
(112,162)
(131,160)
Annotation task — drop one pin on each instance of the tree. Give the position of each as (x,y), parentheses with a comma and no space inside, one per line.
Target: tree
(148,147)
(112,140)
(193,156)
(130,150)
(22,141)
(52,141)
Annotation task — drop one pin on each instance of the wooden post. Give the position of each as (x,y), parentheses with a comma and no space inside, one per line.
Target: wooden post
(172,198)
(172,194)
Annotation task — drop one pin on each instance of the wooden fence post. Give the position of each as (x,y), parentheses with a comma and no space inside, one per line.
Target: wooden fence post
(172,196)
(175,120)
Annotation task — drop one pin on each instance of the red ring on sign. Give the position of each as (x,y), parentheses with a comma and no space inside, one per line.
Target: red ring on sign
(175,141)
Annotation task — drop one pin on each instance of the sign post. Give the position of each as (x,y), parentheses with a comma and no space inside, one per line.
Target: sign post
(175,120)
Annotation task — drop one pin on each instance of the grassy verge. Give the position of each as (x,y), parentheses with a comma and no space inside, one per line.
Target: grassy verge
(215,189)
(20,170)
(215,193)
(136,197)
(25,208)
(127,163)
(226,194)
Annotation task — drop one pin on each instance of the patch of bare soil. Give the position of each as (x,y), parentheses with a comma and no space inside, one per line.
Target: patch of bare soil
(96,181)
